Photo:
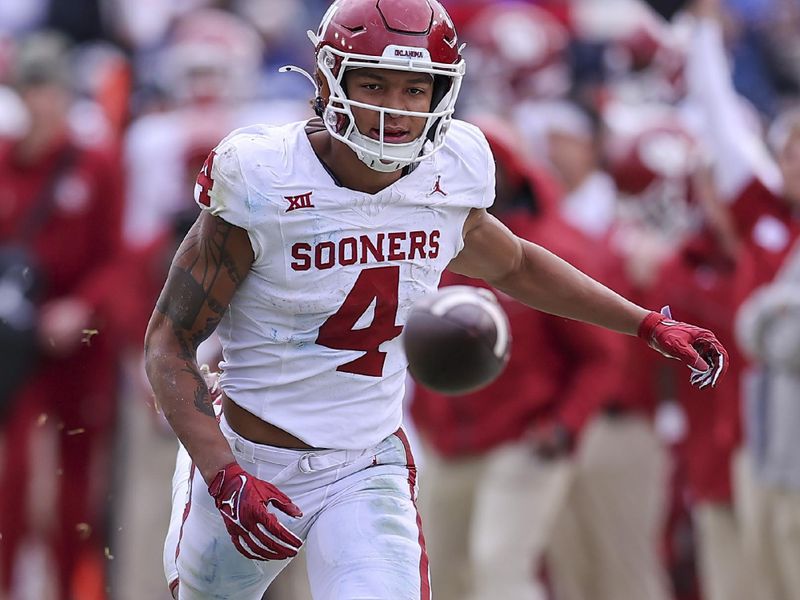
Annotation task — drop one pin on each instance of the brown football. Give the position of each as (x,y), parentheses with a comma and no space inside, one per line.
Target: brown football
(457,340)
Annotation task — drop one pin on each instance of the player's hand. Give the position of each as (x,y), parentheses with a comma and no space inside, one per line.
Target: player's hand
(697,348)
(243,500)
(63,324)
(551,440)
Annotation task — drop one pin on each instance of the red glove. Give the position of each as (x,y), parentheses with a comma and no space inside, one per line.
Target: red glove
(242,500)
(696,347)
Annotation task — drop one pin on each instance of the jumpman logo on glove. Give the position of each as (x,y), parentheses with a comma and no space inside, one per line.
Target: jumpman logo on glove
(243,501)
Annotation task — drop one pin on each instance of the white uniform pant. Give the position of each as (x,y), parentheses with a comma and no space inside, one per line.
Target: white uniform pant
(725,574)
(605,544)
(489,519)
(362,532)
(770,522)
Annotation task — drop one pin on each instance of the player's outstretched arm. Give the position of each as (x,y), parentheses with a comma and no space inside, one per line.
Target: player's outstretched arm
(544,281)
(539,278)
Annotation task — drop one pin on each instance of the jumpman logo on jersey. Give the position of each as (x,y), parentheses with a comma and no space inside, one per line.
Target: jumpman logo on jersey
(301,201)
(437,187)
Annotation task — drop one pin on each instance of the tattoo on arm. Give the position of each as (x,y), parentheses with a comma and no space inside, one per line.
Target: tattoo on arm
(186,298)
(208,268)
(203,267)
(202,398)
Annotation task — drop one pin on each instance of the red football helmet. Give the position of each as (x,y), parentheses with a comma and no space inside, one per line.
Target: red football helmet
(644,56)
(654,166)
(663,151)
(653,57)
(400,35)
(212,55)
(519,50)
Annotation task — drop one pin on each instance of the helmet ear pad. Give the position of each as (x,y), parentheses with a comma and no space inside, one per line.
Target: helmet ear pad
(323,94)
(320,103)
(441,85)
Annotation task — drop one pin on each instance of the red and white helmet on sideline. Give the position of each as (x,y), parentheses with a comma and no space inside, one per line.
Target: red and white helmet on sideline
(400,35)
(212,55)
(653,163)
(644,56)
(520,51)
(659,152)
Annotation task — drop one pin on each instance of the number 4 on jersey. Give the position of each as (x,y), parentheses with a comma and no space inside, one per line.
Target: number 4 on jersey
(204,180)
(379,285)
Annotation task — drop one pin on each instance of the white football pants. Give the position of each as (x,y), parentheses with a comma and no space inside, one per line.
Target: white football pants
(362,532)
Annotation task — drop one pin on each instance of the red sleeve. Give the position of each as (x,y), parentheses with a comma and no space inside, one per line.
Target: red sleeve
(754,202)
(107,226)
(128,288)
(596,356)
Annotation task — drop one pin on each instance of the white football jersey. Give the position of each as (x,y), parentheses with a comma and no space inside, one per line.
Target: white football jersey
(311,342)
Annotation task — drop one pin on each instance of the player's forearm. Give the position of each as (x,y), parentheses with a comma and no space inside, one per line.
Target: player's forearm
(548,283)
(183,396)
(598,360)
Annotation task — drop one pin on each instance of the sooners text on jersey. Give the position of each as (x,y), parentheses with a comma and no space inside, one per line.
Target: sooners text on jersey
(311,339)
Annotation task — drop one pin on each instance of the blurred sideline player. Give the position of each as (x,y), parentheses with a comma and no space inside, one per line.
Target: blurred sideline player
(591,557)
(315,240)
(507,448)
(762,193)
(516,51)
(767,329)
(563,135)
(705,272)
(707,279)
(211,74)
(56,440)
(607,540)
(760,190)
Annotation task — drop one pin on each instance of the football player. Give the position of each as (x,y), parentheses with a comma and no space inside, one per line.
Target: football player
(760,185)
(314,241)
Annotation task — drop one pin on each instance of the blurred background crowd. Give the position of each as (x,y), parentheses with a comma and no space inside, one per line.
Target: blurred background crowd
(656,146)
